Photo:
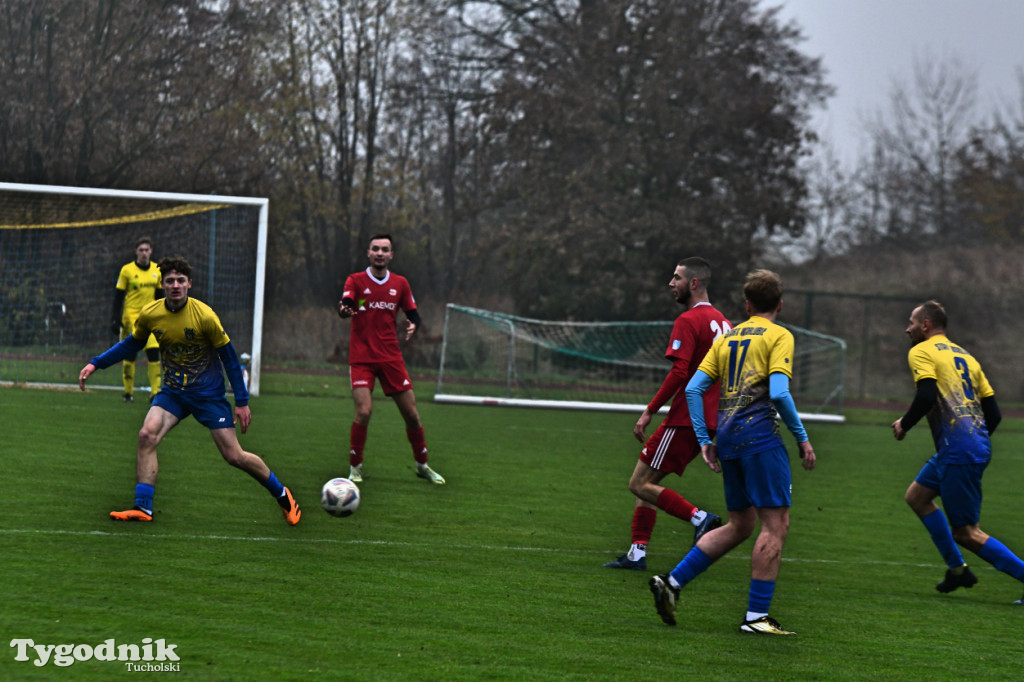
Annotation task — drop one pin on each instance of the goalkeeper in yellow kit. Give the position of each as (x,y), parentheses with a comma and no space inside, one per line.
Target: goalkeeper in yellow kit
(138,285)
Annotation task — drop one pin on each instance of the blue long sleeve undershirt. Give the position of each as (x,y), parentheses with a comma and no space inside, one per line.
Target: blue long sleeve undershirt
(121,350)
(699,383)
(233,367)
(778,391)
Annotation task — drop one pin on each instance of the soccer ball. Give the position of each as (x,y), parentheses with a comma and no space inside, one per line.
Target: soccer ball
(339,497)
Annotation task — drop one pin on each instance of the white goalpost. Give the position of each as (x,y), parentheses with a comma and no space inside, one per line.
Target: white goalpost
(61,249)
(491,358)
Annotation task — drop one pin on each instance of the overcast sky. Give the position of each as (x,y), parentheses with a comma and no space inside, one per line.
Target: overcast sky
(865,44)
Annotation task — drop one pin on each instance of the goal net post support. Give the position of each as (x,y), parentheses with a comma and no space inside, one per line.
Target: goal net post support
(61,249)
(491,358)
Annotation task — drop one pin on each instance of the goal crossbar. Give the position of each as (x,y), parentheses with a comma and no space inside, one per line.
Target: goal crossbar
(34,337)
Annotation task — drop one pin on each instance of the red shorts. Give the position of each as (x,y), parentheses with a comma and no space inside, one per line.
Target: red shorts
(670,449)
(392,375)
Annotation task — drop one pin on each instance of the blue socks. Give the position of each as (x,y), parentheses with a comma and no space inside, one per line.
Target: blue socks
(274,486)
(144,497)
(693,564)
(760,597)
(1000,556)
(942,536)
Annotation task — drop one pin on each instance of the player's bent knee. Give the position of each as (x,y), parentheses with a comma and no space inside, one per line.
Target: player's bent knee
(235,458)
(147,438)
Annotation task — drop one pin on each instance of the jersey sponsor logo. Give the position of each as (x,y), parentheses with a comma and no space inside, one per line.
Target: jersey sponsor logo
(382,305)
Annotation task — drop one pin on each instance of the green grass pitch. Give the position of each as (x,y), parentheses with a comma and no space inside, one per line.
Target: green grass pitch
(495,576)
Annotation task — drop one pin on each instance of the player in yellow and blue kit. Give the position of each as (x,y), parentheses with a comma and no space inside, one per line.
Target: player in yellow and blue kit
(138,285)
(754,363)
(954,394)
(196,352)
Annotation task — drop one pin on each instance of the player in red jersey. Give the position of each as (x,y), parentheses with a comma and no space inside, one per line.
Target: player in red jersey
(372,299)
(671,447)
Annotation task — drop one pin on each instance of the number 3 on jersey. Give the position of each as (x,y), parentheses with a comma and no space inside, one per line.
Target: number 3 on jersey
(965,374)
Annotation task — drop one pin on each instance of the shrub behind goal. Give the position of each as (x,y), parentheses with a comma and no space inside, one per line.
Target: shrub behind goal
(491,358)
(61,249)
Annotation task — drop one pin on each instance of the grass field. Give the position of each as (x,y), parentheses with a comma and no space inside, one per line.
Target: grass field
(495,576)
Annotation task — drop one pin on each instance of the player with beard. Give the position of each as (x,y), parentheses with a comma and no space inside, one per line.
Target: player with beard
(372,299)
(673,445)
(955,396)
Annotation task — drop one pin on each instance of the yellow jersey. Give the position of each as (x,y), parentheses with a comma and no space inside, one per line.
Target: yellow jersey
(189,339)
(957,420)
(139,286)
(743,359)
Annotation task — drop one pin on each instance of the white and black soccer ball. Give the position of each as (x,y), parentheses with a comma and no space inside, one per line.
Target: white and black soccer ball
(339,497)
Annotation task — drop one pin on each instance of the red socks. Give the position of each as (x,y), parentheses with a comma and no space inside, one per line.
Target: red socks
(643,524)
(418,443)
(357,440)
(675,504)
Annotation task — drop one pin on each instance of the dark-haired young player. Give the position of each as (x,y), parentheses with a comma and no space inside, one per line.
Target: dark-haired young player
(138,285)
(673,445)
(372,299)
(196,353)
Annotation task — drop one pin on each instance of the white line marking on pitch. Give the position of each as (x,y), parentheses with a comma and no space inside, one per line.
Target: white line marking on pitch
(393,543)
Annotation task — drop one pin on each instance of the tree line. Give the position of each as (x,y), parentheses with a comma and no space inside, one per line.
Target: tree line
(538,155)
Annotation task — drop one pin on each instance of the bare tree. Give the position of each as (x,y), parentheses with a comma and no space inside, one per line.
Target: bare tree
(326,119)
(915,149)
(991,181)
(829,205)
(130,94)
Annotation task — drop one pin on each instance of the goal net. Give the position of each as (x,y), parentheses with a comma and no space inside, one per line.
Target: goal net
(490,358)
(61,249)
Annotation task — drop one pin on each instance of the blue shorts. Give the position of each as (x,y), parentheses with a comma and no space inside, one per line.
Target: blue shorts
(760,479)
(213,413)
(959,486)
